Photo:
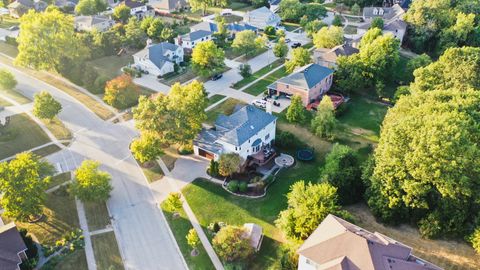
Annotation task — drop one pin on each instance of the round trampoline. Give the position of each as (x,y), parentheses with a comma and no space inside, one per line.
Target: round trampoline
(305,154)
(284,160)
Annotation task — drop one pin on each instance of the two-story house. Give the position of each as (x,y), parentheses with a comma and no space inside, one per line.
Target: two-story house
(190,40)
(310,82)
(328,57)
(139,9)
(261,18)
(158,59)
(247,132)
(88,23)
(341,245)
(12,247)
(232,28)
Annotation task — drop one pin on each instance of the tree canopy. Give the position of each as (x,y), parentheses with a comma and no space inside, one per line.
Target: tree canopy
(300,57)
(247,42)
(427,162)
(281,48)
(229,163)
(90,7)
(91,184)
(7,79)
(231,245)
(121,92)
(45,106)
(324,122)
(296,112)
(328,37)
(208,59)
(121,13)
(146,148)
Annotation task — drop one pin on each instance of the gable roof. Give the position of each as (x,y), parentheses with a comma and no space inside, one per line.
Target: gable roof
(339,243)
(262,11)
(91,20)
(395,25)
(156,53)
(212,27)
(205,26)
(133,3)
(11,243)
(388,12)
(196,35)
(168,4)
(307,76)
(331,55)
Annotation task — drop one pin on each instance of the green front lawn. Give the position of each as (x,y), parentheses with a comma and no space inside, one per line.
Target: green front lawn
(186,75)
(105,248)
(15,95)
(58,129)
(258,74)
(97,215)
(261,85)
(73,261)
(109,66)
(152,171)
(21,134)
(225,107)
(214,99)
(59,179)
(180,227)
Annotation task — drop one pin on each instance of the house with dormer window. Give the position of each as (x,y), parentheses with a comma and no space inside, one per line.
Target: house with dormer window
(158,59)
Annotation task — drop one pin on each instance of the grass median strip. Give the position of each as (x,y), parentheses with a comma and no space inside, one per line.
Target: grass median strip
(97,215)
(258,74)
(106,251)
(261,85)
(58,129)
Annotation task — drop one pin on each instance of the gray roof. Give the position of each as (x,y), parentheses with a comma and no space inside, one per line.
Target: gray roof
(306,77)
(91,20)
(156,53)
(11,243)
(196,35)
(331,55)
(168,4)
(262,11)
(233,27)
(205,26)
(395,25)
(235,129)
(388,12)
(133,4)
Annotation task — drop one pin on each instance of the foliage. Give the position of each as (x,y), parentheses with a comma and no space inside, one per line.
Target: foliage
(371,35)
(176,118)
(134,35)
(296,112)
(270,31)
(245,70)
(202,5)
(213,168)
(231,245)
(328,37)
(291,10)
(233,186)
(146,148)
(23,182)
(192,238)
(173,202)
(426,162)
(457,68)
(91,184)
(153,27)
(313,27)
(308,205)
(342,170)
(90,7)
(324,122)
(401,91)
(46,39)
(422,60)
(243,187)
(7,79)
(45,106)
(474,239)
(121,13)
(287,140)
(337,20)
(121,92)
(377,22)
(280,49)
(229,163)
(245,42)
(300,57)
(208,59)
(355,9)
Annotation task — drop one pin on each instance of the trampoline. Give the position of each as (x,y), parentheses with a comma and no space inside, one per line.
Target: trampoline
(305,154)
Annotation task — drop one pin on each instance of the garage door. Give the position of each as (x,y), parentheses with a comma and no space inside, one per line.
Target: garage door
(205,154)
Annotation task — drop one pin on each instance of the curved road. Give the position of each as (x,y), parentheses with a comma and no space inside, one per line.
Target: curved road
(141,229)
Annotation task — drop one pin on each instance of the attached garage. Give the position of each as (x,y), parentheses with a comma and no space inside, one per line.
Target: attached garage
(205,154)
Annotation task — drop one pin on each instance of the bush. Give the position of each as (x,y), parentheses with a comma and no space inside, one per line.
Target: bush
(11,41)
(474,239)
(216,227)
(430,227)
(89,77)
(243,187)
(132,72)
(233,186)
(99,85)
(213,168)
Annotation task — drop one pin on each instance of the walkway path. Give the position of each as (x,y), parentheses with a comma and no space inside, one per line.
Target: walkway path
(82,218)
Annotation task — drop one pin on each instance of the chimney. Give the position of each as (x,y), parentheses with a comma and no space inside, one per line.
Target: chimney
(268,107)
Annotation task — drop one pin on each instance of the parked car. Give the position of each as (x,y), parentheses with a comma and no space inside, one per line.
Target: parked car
(217,77)
(259,103)
(13,28)
(287,40)
(296,45)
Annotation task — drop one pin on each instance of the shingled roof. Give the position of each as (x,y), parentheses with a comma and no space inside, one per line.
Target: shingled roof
(156,53)
(11,243)
(305,77)
(338,244)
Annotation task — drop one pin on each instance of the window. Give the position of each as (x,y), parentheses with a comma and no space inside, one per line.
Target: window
(288,86)
(267,137)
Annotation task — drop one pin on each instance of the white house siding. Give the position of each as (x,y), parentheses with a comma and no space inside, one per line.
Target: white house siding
(191,44)
(303,264)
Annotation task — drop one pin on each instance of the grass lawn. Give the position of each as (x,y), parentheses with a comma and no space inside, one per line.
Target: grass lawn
(8,49)
(152,171)
(15,95)
(60,218)
(214,99)
(170,156)
(258,74)
(232,18)
(105,248)
(20,135)
(225,107)
(290,26)
(308,45)
(7,21)
(47,150)
(183,77)
(350,29)
(97,215)
(58,129)
(362,113)
(110,66)
(59,179)
(180,227)
(73,261)
(4,103)
(240,6)
(261,85)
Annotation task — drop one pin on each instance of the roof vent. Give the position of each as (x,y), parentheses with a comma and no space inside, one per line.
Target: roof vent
(252,127)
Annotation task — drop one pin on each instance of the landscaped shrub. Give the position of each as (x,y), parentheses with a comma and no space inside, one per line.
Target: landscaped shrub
(243,187)
(132,72)
(213,168)
(233,186)
(99,85)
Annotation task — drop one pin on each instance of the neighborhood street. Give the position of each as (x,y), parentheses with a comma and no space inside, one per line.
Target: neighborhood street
(143,235)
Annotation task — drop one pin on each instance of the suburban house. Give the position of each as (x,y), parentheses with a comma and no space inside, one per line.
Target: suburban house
(261,18)
(338,244)
(388,14)
(12,247)
(396,27)
(328,57)
(188,41)
(248,132)
(139,9)
(254,233)
(168,6)
(88,23)
(158,59)
(274,5)
(310,82)
(20,7)
(232,28)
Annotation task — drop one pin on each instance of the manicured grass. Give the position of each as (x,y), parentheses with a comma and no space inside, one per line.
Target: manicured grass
(362,113)
(59,179)
(258,74)
(58,129)
(180,227)
(152,171)
(105,248)
(261,85)
(60,218)
(97,215)
(183,77)
(15,95)
(8,49)
(350,30)
(21,134)
(214,99)
(4,103)
(73,261)
(225,107)
(47,150)
(308,45)
(110,66)
(170,156)
(290,26)
(240,6)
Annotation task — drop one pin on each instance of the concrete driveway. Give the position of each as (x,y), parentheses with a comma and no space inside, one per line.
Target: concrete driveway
(150,81)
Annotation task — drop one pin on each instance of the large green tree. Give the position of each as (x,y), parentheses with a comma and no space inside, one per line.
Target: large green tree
(90,7)
(427,162)
(46,39)
(281,48)
(208,59)
(328,37)
(231,245)
(324,122)
(121,92)
(45,106)
(91,184)
(176,118)
(121,13)
(203,5)
(23,182)
(308,205)
(291,10)
(300,57)
(153,27)
(146,148)
(245,42)
(7,79)
(296,111)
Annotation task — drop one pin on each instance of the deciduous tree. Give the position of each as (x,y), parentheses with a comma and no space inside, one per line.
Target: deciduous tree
(377,22)
(231,245)
(291,10)
(245,70)
(121,92)
(173,203)
(121,13)
(324,122)
(45,106)
(91,184)
(244,42)
(7,80)
(90,7)
(146,148)
(280,49)
(208,59)
(229,164)
(300,58)
(192,239)
(296,112)
(328,37)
